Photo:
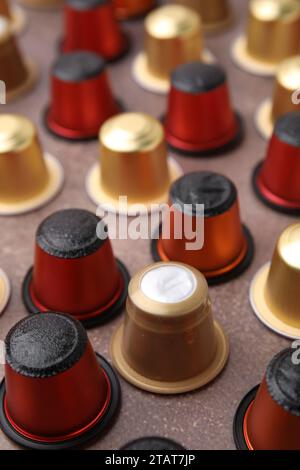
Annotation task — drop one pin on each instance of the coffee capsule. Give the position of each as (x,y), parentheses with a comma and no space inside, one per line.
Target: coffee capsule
(5,290)
(18,74)
(57,393)
(14,14)
(29,178)
(91,25)
(203,228)
(130,9)
(268,417)
(173,36)
(75,270)
(215,14)
(135,173)
(275,180)
(152,443)
(273,35)
(274,292)
(200,119)
(42,4)
(285,97)
(169,342)
(81,96)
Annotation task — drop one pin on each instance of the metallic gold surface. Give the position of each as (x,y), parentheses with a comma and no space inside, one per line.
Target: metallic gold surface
(273,35)
(14,14)
(173,36)
(4,290)
(18,74)
(27,179)
(169,347)
(133,162)
(287,82)
(273,29)
(275,289)
(214,14)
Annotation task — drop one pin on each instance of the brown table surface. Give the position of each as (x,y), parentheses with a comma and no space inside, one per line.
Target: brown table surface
(200,420)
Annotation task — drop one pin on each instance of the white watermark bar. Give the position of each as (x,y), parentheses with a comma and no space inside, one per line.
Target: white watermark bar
(178,222)
(296,97)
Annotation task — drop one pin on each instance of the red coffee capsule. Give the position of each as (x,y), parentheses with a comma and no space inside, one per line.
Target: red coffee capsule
(214,241)
(276,180)
(74,270)
(57,393)
(129,9)
(268,417)
(91,25)
(200,119)
(81,96)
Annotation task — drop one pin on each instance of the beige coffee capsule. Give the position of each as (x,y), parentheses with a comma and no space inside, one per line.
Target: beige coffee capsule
(215,14)
(274,292)
(273,35)
(134,164)
(5,290)
(28,178)
(286,97)
(169,342)
(14,14)
(173,36)
(18,74)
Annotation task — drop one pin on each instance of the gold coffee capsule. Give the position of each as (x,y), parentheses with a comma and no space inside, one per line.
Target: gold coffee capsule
(274,292)
(134,165)
(42,4)
(215,14)
(14,14)
(273,35)
(4,290)
(173,36)
(28,179)
(169,342)
(285,97)
(19,75)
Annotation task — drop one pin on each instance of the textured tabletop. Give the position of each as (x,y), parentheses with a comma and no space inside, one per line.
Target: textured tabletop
(200,420)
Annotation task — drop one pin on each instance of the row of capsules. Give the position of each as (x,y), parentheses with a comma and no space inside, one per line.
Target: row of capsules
(170,297)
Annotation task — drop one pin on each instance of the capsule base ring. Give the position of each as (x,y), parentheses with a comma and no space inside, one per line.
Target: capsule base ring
(99,427)
(239,419)
(248,63)
(93,318)
(263,119)
(223,278)
(100,197)
(18,20)
(72,135)
(5,291)
(281,205)
(185,149)
(170,388)
(54,186)
(150,82)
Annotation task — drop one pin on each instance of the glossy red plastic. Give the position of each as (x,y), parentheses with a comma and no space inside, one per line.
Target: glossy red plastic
(78,109)
(83,286)
(94,29)
(60,407)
